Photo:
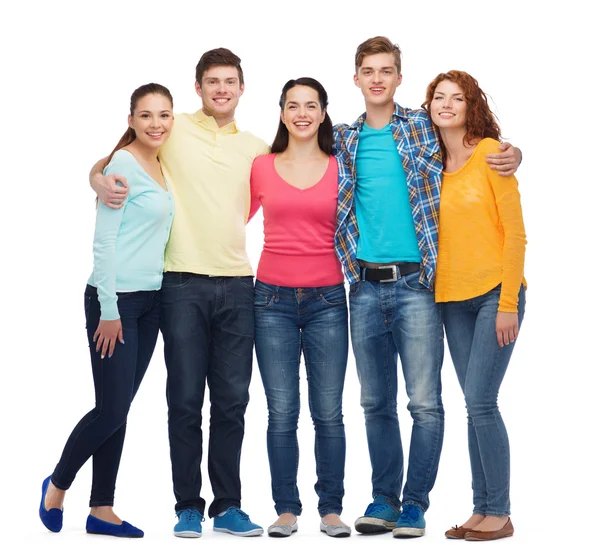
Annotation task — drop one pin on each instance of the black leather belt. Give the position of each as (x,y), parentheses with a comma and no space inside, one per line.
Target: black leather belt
(388,273)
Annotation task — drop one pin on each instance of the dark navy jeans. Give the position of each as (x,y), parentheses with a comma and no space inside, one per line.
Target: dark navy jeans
(101,432)
(208,329)
(480,365)
(290,322)
(387,321)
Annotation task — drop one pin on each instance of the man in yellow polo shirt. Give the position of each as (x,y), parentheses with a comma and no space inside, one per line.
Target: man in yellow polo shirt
(207,312)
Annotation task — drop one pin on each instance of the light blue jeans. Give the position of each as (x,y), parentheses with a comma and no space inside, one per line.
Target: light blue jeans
(480,365)
(290,322)
(388,320)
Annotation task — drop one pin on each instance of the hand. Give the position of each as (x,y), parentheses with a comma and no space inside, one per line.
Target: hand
(108,191)
(507,161)
(106,336)
(507,327)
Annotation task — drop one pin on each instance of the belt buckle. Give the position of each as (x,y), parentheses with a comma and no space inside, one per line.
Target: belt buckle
(394,269)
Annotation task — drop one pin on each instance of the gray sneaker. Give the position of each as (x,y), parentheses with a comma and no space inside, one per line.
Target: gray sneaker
(337,531)
(282,530)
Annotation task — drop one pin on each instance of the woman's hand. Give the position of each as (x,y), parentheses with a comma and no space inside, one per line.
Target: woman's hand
(507,327)
(106,336)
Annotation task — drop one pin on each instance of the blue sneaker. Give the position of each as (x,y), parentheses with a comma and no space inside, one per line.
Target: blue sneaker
(411,522)
(235,522)
(379,517)
(189,525)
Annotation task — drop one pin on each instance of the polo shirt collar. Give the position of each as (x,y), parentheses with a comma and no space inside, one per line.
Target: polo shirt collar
(210,123)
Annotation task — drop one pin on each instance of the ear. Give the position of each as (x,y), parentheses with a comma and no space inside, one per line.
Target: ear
(281,117)
(399,80)
(198,89)
(241,89)
(130,121)
(323,116)
(356,80)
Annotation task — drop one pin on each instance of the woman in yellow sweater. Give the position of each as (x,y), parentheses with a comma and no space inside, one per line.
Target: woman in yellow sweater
(481,285)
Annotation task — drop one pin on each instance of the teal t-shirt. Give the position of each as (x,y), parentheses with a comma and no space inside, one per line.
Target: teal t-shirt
(385,223)
(129,243)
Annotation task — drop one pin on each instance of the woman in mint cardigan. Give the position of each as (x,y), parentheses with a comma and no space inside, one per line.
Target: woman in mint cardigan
(122,308)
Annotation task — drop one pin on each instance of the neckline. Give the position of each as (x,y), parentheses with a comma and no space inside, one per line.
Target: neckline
(464,166)
(146,173)
(296,187)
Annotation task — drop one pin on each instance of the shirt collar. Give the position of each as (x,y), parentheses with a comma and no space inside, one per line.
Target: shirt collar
(399,112)
(210,123)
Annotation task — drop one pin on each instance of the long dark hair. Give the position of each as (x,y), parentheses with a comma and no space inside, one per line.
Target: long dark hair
(136,97)
(325,135)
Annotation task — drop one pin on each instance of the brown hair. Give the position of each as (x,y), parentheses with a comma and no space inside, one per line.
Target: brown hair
(136,97)
(377,45)
(481,121)
(218,57)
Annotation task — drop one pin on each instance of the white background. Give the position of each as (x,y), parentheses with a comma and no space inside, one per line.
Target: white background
(68,70)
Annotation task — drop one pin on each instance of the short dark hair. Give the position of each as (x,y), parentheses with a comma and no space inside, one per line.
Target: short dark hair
(325,134)
(218,57)
(377,45)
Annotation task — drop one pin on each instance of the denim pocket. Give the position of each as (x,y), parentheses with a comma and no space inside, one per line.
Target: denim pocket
(176,279)
(262,300)
(354,288)
(411,281)
(246,281)
(123,296)
(335,296)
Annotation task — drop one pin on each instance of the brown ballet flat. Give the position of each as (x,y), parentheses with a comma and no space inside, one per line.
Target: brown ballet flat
(506,531)
(457,532)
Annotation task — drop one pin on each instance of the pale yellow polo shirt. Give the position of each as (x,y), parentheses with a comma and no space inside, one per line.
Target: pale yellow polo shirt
(208,170)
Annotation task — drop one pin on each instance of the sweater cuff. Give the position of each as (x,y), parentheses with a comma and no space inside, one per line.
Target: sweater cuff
(109,312)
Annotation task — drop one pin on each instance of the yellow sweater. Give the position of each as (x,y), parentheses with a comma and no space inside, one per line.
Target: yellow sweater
(481,235)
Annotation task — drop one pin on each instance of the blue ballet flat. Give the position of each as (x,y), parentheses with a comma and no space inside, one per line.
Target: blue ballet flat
(96,526)
(52,519)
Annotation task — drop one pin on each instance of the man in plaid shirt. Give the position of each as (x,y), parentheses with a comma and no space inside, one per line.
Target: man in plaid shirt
(390,172)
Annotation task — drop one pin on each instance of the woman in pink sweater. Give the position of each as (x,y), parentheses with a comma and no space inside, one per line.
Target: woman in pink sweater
(300,303)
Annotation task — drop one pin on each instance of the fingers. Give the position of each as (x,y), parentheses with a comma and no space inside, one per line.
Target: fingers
(123,186)
(507,335)
(504,146)
(120,336)
(111,346)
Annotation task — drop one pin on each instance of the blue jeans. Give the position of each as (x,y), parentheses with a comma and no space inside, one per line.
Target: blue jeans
(208,330)
(288,323)
(480,365)
(388,320)
(101,432)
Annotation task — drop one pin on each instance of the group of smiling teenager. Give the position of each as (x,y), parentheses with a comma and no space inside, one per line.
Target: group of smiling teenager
(418,210)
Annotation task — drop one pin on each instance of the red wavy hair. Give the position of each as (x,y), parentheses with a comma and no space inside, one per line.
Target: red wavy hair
(481,121)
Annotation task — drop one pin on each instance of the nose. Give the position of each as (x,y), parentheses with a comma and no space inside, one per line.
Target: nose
(155,123)
(377,77)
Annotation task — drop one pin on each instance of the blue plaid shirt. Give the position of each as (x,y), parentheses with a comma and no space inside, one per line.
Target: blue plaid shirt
(418,146)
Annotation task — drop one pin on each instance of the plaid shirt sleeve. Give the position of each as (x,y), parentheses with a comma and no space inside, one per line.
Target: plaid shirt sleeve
(418,146)
(346,233)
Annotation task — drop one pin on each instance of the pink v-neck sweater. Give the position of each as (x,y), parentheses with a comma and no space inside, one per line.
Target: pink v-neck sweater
(299,226)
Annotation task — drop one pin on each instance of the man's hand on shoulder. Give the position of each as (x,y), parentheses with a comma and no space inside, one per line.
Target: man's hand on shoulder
(111,189)
(507,161)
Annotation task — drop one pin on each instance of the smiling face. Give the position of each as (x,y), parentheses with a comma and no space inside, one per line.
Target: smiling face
(220,91)
(448,106)
(152,120)
(302,114)
(378,79)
